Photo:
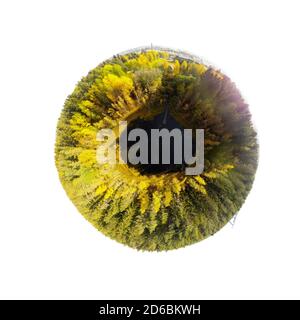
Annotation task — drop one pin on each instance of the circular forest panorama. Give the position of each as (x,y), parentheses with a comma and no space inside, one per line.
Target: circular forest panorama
(156,207)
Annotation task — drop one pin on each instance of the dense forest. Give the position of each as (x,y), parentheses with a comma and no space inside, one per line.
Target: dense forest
(165,210)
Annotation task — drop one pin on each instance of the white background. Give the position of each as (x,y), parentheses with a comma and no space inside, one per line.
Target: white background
(47,249)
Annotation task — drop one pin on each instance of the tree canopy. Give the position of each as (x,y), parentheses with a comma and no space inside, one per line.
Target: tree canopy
(166,210)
